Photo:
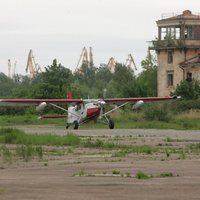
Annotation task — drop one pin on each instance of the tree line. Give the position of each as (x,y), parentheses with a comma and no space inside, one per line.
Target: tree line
(92,82)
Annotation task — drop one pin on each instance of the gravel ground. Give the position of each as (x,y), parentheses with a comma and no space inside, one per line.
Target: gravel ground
(181,134)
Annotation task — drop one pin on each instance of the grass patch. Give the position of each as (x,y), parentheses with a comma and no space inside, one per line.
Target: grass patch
(6,153)
(166,174)
(122,119)
(123,149)
(116,172)
(28,120)
(195,148)
(27,152)
(81,173)
(141,175)
(15,136)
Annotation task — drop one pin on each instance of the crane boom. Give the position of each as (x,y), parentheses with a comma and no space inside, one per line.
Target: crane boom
(32,67)
(83,60)
(130,61)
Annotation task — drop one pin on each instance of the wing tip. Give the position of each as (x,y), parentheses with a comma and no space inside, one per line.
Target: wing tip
(176,97)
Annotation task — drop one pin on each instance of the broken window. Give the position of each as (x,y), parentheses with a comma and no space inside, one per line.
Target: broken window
(177,33)
(188,34)
(170,32)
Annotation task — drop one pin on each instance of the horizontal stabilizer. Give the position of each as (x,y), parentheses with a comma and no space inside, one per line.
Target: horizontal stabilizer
(52,117)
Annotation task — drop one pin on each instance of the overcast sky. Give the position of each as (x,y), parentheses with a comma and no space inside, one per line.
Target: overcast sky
(61,28)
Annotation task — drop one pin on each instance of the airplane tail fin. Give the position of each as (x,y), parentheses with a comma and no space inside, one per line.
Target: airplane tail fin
(69,95)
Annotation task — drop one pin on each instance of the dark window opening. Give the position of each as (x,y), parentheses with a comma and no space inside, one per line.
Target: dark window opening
(188,32)
(189,76)
(170,79)
(170,57)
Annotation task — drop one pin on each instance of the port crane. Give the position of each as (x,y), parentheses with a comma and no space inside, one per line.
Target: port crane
(83,60)
(32,67)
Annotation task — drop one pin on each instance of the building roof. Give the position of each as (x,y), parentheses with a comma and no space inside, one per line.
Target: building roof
(192,62)
(186,14)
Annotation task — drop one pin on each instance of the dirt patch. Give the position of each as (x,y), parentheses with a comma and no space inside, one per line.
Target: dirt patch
(100,173)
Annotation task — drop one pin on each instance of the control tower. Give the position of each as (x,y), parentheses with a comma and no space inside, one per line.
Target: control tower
(178,50)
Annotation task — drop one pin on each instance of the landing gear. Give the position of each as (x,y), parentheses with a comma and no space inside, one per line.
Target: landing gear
(111,124)
(75,124)
(67,125)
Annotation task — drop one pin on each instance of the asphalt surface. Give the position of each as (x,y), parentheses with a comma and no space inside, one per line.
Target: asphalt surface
(52,178)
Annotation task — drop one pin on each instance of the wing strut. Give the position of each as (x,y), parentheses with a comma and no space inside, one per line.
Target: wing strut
(114,109)
(61,108)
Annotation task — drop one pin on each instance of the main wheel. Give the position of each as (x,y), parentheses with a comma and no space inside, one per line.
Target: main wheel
(75,124)
(111,124)
(67,125)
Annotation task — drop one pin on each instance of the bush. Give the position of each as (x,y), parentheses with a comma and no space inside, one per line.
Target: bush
(188,89)
(158,112)
(186,105)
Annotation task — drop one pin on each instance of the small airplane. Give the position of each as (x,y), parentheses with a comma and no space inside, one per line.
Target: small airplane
(80,111)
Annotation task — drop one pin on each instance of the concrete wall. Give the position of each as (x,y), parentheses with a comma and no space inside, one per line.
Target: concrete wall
(164,68)
(178,74)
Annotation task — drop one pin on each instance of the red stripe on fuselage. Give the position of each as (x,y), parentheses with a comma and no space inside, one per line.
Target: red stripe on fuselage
(93,112)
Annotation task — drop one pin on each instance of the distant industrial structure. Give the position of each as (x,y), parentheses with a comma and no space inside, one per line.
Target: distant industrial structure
(130,63)
(111,64)
(85,59)
(32,68)
(178,50)
(11,69)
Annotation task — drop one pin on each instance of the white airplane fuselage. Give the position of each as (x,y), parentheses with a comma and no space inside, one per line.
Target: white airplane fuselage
(83,112)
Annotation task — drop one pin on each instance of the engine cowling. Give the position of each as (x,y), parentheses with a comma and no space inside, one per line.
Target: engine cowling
(101,102)
(41,106)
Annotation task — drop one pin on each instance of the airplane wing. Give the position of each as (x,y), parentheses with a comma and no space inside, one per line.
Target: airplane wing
(36,102)
(120,101)
(64,102)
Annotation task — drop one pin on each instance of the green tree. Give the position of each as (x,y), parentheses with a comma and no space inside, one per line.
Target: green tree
(188,89)
(6,86)
(103,80)
(54,82)
(86,75)
(124,81)
(22,86)
(147,80)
